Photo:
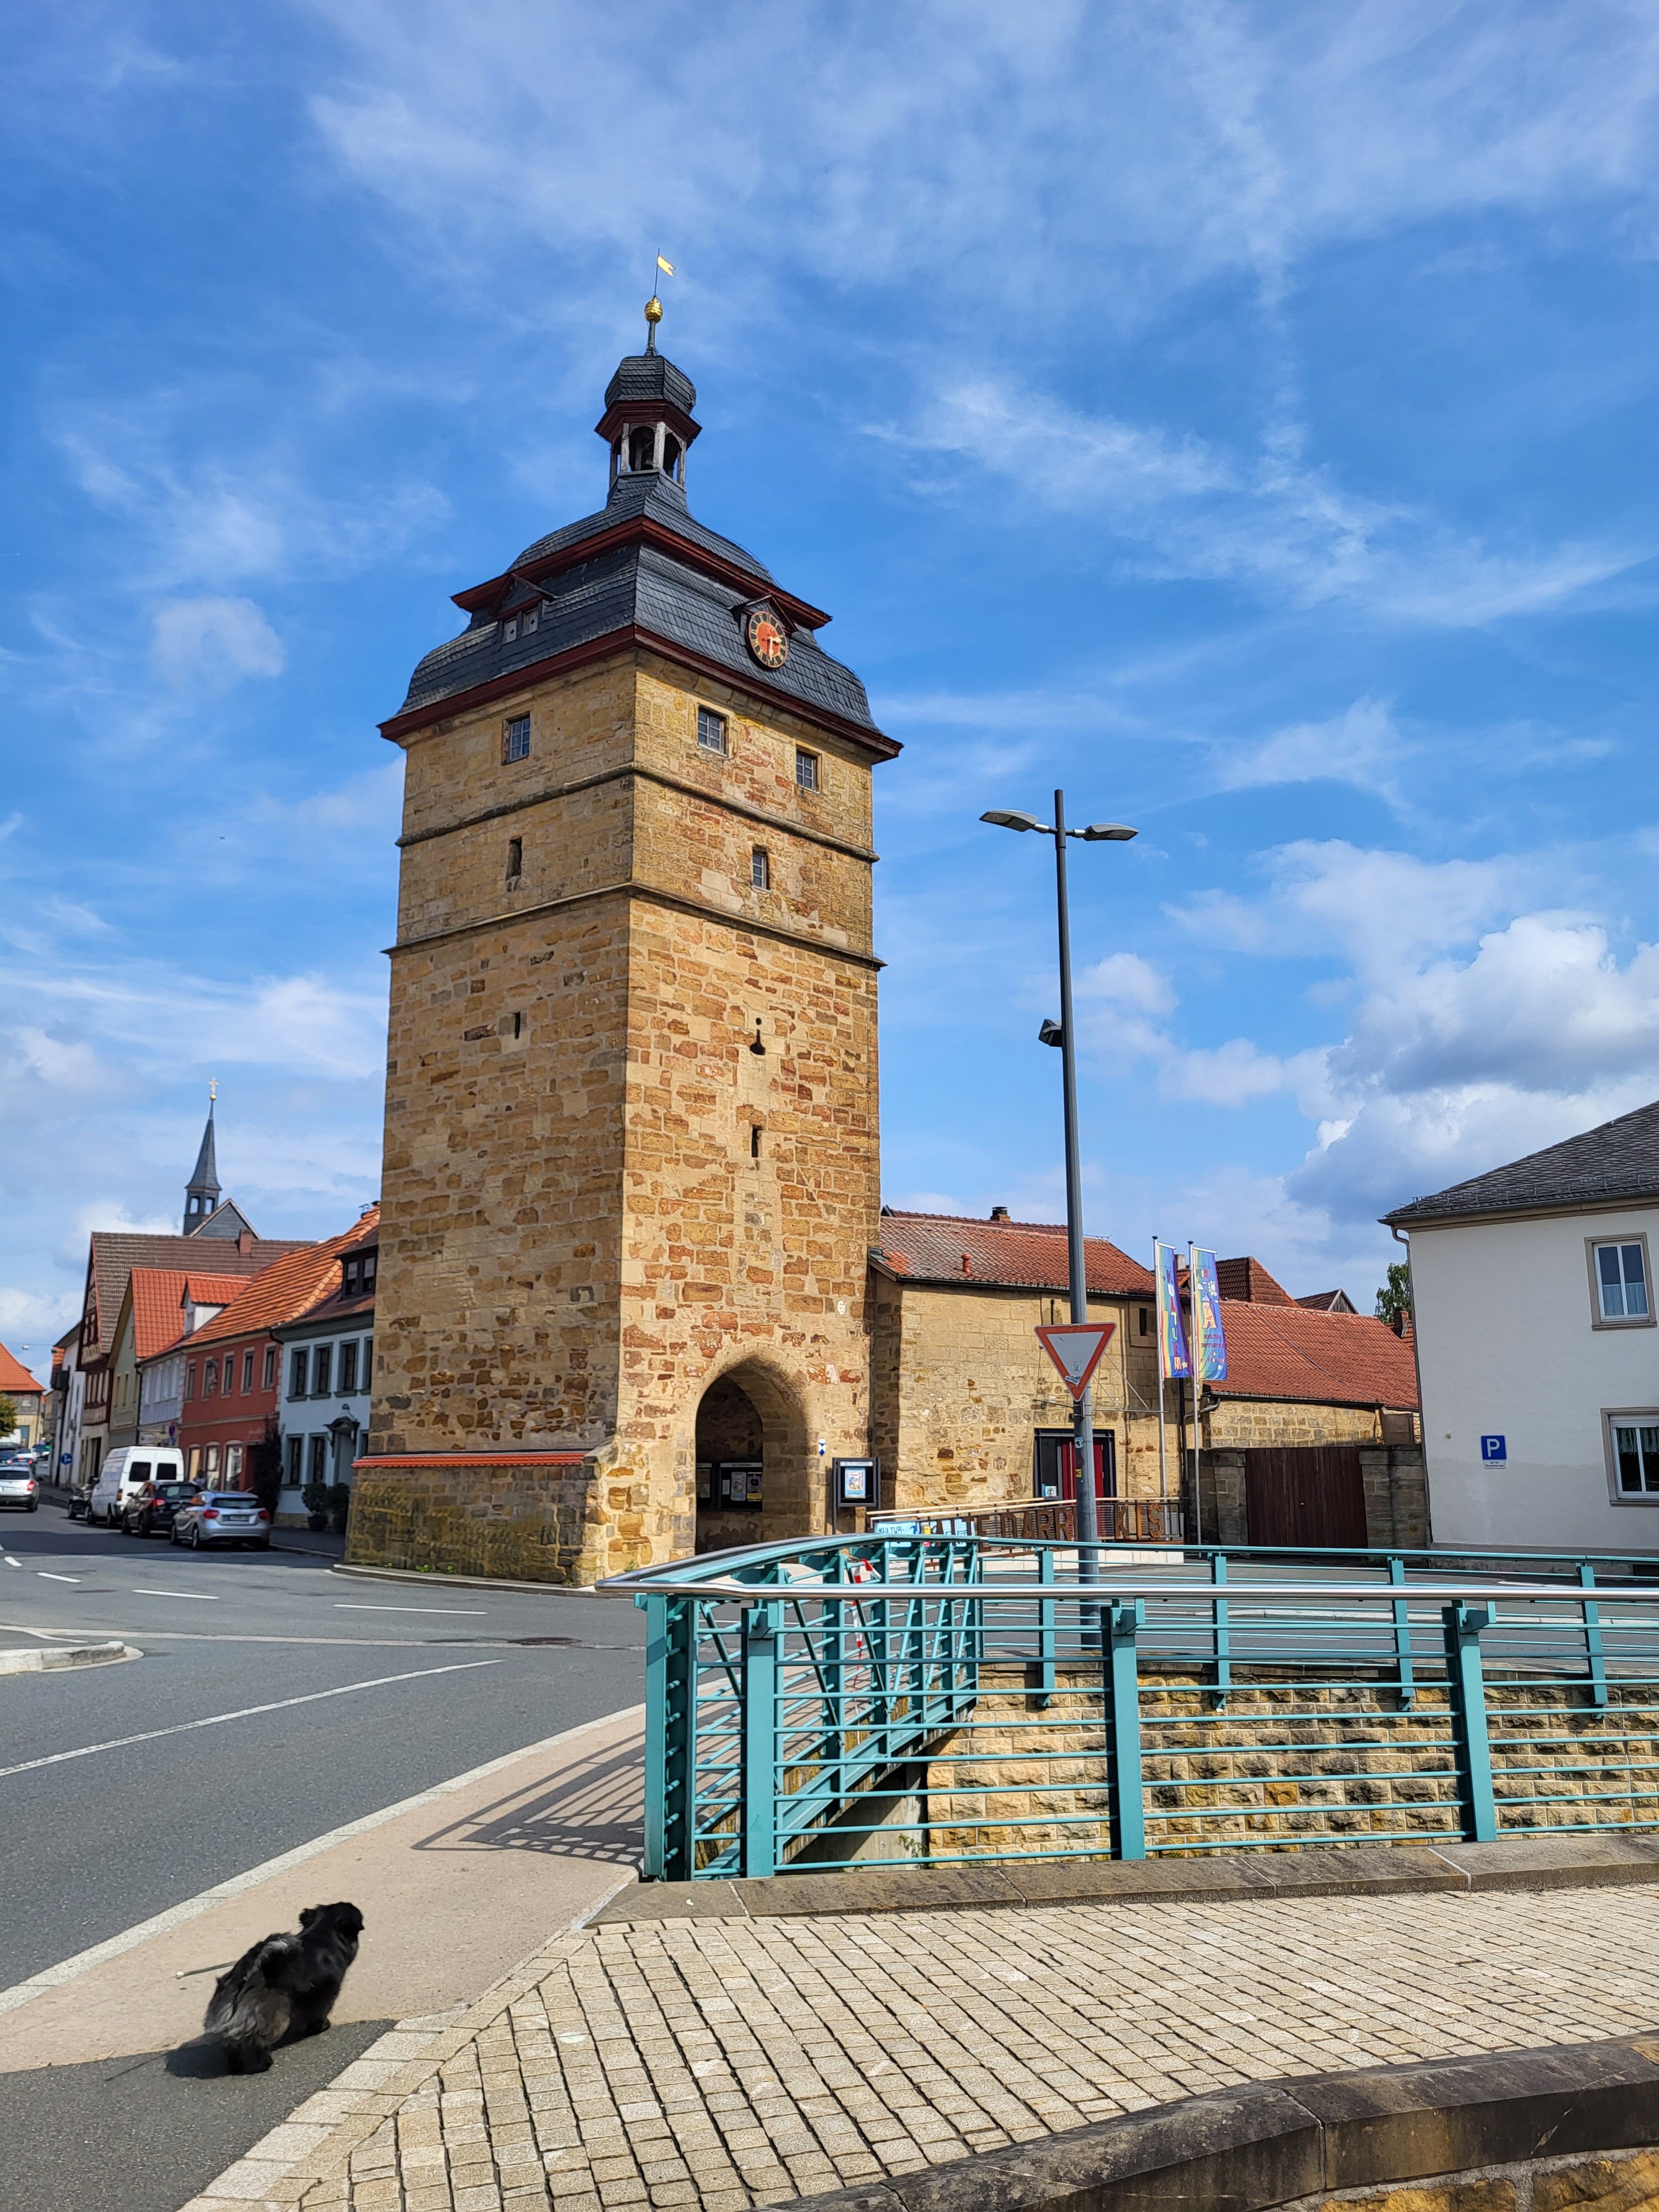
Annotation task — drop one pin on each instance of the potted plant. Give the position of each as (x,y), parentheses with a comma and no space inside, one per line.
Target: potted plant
(339,1506)
(315,1500)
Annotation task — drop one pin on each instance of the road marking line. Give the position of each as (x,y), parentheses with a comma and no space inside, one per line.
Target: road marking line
(47,1577)
(243,1713)
(196,1597)
(10,1562)
(472,1612)
(70,1970)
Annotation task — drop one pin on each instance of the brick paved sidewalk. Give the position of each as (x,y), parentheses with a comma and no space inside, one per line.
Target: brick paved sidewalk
(720,2064)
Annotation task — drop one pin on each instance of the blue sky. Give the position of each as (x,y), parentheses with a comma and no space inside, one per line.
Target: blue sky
(1242,415)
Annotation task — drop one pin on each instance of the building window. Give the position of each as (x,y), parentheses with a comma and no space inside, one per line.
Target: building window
(233,1462)
(368,1360)
(510,629)
(210,1463)
(319,1367)
(210,1379)
(295,1453)
(514,858)
(194,1468)
(247,1369)
(267,1381)
(298,1366)
(711,731)
(190,1379)
(516,738)
(1146,1323)
(760,869)
(530,619)
(319,1459)
(807,770)
(754,1141)
(1634,1437)
(348,1370)
(1618,1279)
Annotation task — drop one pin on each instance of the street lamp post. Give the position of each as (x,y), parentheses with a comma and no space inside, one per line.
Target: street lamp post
(1088,1521)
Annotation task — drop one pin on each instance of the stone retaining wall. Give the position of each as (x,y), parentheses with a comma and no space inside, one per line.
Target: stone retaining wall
(531,1523)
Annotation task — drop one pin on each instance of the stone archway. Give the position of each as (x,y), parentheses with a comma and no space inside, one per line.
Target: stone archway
(754,1464)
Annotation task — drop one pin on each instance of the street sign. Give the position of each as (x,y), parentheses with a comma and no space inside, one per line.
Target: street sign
(1494,1448)
(1075,1347)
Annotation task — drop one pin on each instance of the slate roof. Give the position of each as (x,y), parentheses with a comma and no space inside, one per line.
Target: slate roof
(1606,1166)
(932,1248)
(14,1378)
(114,1254)
(641,585)
(291,1287)
(1320,1359)
(651,376)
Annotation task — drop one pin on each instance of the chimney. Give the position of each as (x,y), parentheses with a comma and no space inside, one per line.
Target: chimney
(998,1213)
(1401,1323)
(245,1241)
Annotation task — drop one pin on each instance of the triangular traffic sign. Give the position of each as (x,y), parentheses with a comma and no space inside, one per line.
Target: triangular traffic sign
(1075,1347)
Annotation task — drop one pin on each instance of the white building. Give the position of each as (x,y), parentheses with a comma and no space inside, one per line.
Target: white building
(1537,1346)
(328,1363)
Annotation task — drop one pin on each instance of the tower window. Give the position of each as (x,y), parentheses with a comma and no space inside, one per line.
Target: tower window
(711,731)
(754,1141)
(807,770)
(518,1025)
(760,869)
(516,738)
(639,448)
(510,628)
(531,619)
(514,858)
(671,457)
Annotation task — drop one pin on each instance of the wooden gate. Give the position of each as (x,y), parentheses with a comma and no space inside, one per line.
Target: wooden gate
(1312,1495)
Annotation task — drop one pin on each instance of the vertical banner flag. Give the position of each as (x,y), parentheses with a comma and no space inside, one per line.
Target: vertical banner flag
(1171,1336)
(1209,1338)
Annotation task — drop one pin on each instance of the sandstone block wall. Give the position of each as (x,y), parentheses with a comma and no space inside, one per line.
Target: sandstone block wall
(536,1524)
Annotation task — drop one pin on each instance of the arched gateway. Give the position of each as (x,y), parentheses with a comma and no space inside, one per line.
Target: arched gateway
(631,1114)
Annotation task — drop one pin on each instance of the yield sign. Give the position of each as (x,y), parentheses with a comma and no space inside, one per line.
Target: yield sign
(1075,1347)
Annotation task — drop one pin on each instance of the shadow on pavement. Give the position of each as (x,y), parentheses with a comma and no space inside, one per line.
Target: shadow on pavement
(145,2134)
(595,1811)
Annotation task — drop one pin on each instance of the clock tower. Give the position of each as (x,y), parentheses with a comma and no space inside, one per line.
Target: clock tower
(631,1171)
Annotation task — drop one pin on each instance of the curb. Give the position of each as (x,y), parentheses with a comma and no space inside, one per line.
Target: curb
(1295,2141)
(53,1658)
(461,1582)
(1352,1870)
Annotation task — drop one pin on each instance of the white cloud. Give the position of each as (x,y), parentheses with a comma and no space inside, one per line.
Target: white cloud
(208,644)
(1124,979)
(1362,747)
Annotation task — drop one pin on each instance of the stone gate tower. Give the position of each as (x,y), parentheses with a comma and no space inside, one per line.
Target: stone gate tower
(631,1168)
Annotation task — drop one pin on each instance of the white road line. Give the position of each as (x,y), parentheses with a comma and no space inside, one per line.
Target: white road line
(69,1970)
(46,1577)
(472,1612)
(196,1597)
(10,1562)
(243,1713)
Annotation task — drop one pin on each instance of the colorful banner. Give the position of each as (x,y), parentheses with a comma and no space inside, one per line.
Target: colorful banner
(1171,1335)
(1209,1338)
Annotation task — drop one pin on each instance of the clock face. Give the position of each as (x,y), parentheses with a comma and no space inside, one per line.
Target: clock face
(768,640)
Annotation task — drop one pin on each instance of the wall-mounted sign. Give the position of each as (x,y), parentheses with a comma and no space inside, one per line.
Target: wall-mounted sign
(858,1482)
(1494,1448)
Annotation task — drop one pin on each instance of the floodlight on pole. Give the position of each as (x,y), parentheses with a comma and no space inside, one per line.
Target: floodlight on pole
(1113,833)
(1006,821)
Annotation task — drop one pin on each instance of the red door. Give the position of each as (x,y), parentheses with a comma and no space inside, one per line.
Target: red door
(1105,1467)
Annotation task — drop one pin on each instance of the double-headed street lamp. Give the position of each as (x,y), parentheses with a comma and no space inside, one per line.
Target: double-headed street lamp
(1088,1524)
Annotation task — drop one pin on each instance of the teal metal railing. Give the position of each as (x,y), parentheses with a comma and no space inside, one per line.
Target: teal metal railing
(948,1697)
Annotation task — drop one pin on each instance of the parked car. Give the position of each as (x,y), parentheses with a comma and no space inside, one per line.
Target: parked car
(151,1510)
(221,1516)
(127,1472)
(18,1488)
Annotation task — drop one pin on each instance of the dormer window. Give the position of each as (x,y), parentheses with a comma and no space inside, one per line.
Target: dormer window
(532,618)
(510,628)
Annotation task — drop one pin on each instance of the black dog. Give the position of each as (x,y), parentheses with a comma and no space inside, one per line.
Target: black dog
(285,1985)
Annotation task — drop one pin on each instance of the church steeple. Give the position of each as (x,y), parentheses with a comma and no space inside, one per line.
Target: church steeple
(647,421)
(202,1191)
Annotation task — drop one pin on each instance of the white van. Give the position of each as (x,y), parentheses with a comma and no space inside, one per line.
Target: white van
(125,1471)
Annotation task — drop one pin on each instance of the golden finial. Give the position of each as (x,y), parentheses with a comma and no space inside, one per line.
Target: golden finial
(213,1089)
(653,317)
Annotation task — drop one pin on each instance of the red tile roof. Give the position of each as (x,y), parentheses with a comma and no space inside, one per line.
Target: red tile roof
(14,1378)
(1322,1358)
(115,1253)
(292,1287)
(1249,1279)
(946,1248)
(158,1295)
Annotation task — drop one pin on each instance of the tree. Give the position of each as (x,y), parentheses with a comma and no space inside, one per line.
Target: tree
(8,1415)
(1394,1298)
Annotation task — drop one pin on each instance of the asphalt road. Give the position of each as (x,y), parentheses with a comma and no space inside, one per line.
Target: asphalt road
(327,1698)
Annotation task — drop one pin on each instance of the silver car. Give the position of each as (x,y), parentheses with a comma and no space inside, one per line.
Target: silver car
(222,1516)
(18,1488)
